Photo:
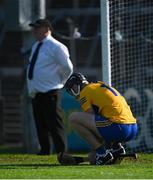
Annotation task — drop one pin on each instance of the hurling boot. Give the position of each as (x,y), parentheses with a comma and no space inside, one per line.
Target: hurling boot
(104,159)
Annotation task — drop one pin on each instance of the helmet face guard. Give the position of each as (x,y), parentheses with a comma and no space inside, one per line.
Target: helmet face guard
(74,84)
(74,91)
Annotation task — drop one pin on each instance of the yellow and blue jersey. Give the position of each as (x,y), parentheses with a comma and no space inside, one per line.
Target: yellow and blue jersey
(107,102)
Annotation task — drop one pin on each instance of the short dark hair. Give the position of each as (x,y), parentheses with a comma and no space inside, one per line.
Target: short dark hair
(41,23)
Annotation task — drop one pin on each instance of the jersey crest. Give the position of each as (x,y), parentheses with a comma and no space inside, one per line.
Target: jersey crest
(83,100)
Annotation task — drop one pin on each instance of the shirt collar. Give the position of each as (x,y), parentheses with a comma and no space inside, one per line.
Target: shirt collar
(45,39)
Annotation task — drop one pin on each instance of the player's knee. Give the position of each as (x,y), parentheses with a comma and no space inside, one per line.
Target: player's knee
(73,118)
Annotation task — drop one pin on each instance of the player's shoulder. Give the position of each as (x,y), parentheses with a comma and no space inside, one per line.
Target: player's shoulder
(95,84)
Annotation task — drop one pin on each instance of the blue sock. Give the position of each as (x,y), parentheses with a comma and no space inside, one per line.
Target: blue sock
(101,150)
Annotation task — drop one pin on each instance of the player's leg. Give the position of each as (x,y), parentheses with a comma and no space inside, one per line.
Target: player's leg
(130,132)
(115,134)
(84,124)
(116,148)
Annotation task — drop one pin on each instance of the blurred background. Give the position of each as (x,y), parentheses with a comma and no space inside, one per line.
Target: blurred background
(77,24)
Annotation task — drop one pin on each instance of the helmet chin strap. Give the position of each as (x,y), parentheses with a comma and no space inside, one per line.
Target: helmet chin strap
(76,93)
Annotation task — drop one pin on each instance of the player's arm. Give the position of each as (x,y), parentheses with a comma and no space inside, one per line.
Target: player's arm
(89,110)
(86,105)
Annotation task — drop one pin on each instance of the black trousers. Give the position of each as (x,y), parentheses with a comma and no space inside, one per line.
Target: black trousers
(48,121)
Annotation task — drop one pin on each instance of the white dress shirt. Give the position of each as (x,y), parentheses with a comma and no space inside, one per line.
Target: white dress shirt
(52,68)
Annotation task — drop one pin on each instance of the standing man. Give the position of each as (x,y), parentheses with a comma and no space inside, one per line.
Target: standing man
(48,70)
(106,120)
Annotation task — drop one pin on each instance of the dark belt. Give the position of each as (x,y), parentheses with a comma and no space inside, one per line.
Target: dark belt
(53,92)
(50,92)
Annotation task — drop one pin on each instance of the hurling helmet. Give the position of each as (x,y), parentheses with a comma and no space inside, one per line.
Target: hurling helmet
(76,79)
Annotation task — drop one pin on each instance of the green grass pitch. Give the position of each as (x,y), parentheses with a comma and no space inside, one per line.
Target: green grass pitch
(28,166)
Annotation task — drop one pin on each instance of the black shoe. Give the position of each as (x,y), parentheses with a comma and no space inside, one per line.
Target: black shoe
(103,159)
(117,152)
